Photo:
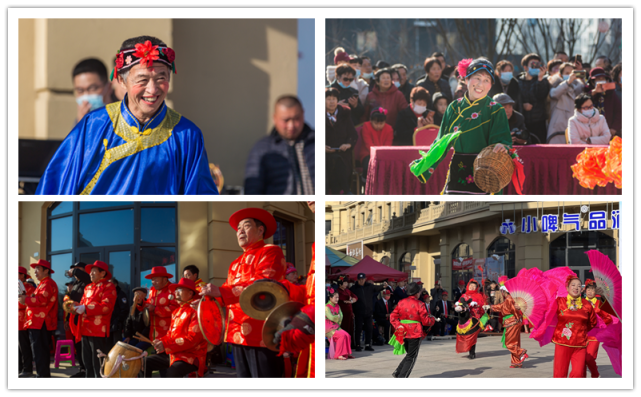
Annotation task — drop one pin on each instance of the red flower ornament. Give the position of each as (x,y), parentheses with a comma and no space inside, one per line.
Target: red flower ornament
(475,116)
(119,61)
(147,53)
(171,55)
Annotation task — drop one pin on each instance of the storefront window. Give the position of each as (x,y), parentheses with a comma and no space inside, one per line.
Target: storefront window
(569,250)
(465,270)
(62,208)
(106,228)
(158,225)
(284,238)
(61,234)
(504,247)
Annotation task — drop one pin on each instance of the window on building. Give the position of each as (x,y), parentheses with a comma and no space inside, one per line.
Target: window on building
(504,247)
(363,221)
(369,217)
(569,250)
(380,214)
(437,268)
(354,222)
(405,262)
(284,238)
(389,210)
(328,227)
(459,254)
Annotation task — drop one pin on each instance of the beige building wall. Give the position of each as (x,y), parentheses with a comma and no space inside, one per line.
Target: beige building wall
(32,233)
(435,232)
(229,74)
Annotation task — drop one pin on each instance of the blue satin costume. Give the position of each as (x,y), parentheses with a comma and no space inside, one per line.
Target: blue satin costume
(106,154)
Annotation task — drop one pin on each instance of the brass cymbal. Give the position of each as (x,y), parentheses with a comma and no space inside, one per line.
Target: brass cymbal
(263,296)
(146,316)
(277,320)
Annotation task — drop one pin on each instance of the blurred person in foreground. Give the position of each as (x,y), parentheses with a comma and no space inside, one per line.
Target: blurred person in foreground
(91,86)
(138,145)
(283,161)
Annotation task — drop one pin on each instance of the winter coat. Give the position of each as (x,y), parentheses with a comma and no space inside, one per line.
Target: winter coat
(406,123)
(392,100)
(406,90)
(432,88)
(534,92)
(364,306)
(271,169)
(562,97)
(512,89)
(343,95)
(580,128)
(362,87)
(371,138)
(121,310)
(609,105)
(81,280)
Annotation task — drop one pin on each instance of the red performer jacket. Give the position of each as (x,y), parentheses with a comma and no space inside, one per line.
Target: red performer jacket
(476,311)
(506,308)
(311,279)
(42,306)
(605,316)
(184,341)
(260,261)
(22,309)
(99,300)
(160,317)
(573,325)
(411,308)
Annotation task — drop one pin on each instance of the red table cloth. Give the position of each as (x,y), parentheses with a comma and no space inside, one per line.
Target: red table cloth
(547,171)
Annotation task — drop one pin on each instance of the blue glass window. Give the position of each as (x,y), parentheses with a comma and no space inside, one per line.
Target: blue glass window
(158,225)
(61,234)
(106,228)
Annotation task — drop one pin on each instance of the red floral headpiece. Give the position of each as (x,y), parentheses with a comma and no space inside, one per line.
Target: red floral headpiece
(569,279)
(330,290)
(145,54)
(589,281)
(462,66)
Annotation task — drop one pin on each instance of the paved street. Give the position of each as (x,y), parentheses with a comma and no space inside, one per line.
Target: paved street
(438,359)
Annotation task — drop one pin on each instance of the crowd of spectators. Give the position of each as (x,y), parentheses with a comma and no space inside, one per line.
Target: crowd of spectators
(561,101)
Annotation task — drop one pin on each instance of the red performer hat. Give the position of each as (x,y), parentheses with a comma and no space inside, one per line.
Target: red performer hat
(254,213)
(100,265)
(461,282)
(158,271)
(22,270)
(44,264)
(569,279)
(184,283)
(387,292)
(145,54)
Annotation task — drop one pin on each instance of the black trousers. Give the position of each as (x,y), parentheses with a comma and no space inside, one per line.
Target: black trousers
(25,358)
(39,339)
(386,328)
(337,174)
(363,323)
(81,364)
(90,345)
(160,362)
(539,129)
(257,362)
(365,164)
(404,369)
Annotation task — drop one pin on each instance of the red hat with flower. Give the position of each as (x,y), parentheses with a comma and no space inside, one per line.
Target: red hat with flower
(569,279)
(290,268)
(22,270)
(144,54)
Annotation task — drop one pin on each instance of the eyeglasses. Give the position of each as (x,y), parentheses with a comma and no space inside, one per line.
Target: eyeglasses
(92,89)
(587,107)
(347,79)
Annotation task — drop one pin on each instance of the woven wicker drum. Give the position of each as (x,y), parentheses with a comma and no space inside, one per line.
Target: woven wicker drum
(492,171)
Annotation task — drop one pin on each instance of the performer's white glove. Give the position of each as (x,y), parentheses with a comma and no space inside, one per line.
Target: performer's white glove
(80,309)
(458,308)
(473,304)
(438,320)
(486,307)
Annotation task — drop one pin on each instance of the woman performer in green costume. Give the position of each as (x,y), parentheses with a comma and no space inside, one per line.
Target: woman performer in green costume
(470,124)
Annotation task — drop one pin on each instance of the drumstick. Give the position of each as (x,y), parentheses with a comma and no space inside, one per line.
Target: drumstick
(139,336)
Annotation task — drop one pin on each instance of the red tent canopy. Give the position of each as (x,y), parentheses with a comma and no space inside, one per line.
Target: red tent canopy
(374,270)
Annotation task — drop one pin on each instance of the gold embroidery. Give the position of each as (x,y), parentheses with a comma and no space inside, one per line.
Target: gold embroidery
(136,141)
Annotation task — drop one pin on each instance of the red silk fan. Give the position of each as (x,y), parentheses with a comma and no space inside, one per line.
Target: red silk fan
(608,277)
(558,275)
(529,297)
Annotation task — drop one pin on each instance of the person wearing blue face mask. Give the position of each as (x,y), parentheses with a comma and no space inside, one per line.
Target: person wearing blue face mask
(506,83)
(534,92)
(348,96)
(359,83)
(91,86)
(565,86)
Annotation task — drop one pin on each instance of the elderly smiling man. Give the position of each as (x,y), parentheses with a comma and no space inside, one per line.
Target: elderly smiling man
(138,145)
(258,261)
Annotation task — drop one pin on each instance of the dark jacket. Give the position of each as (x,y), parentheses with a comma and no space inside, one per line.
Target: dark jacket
(400,293)
(456,294)
(271,168)
(609,106)
(534,92)
(134,323)
(380,311)
(121,310)
(342,131)
(345,94)
(364,305)
(513,90)
(82,279)
(441,309)
(406,123)
(436,294)
(443,86)
(406,90)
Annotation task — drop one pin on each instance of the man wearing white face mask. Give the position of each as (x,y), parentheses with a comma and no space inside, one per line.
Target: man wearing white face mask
(90,86)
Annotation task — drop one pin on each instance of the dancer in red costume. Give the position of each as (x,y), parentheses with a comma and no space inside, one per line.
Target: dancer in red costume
(576,317)
(512,320)
(295,340)
(593,343)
